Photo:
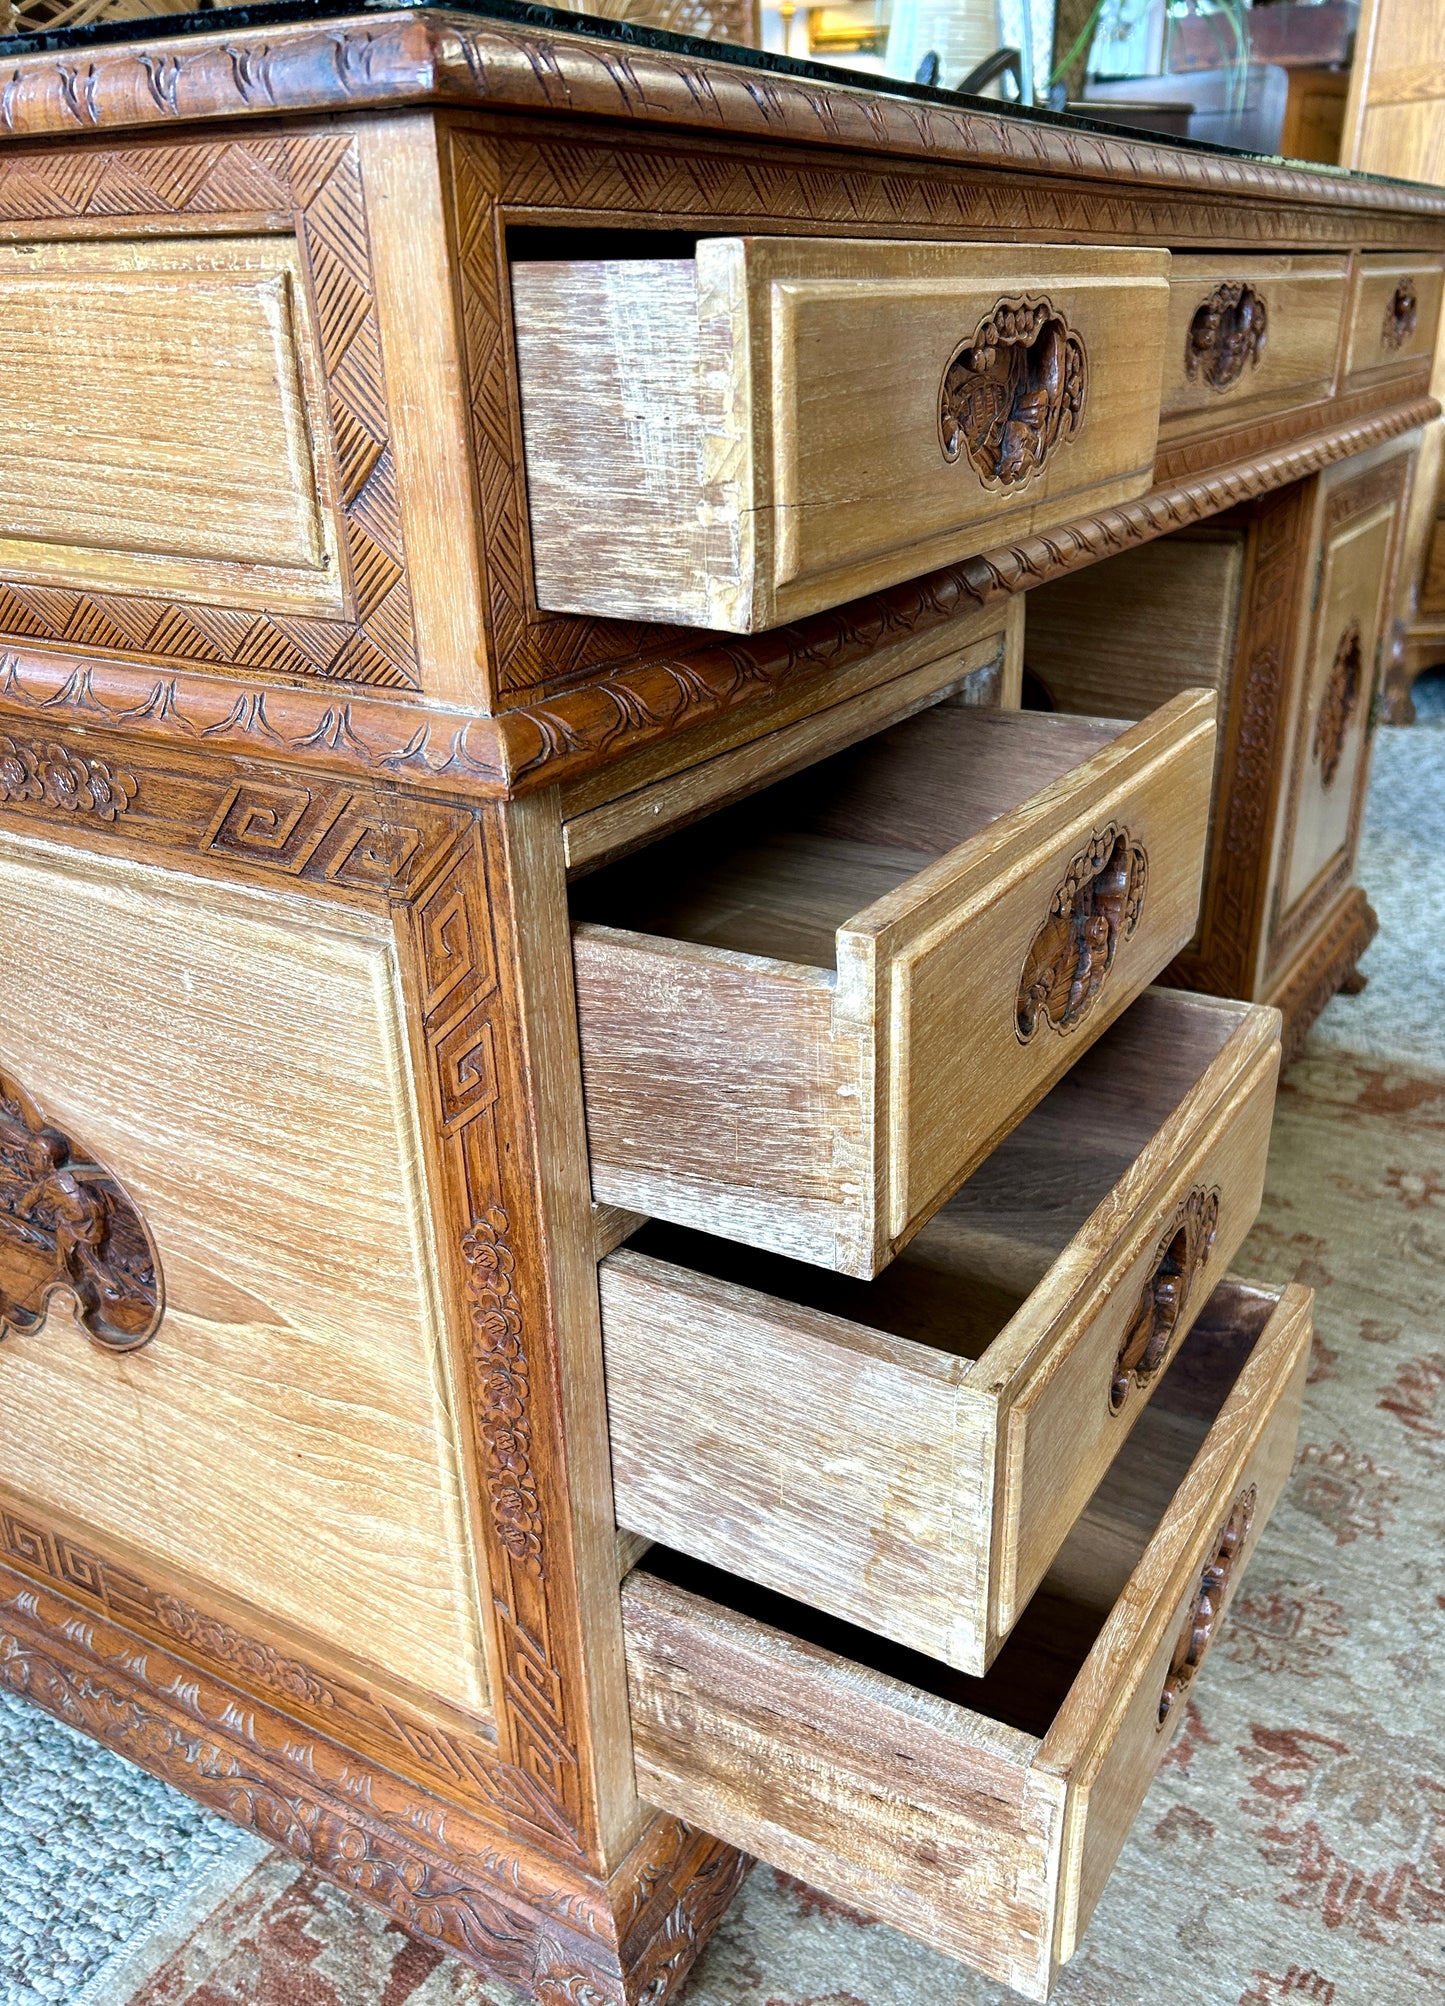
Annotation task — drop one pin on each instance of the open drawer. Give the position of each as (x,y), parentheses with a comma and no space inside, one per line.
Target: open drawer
(775,425)
(983,1816)
(807,1018)
(932,1436)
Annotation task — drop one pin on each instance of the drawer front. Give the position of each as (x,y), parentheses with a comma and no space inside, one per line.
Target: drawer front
(1248,337)
(1394,311)
(902,1482)
(987,1840)
(1067,1419)
(990,972)
(787,423)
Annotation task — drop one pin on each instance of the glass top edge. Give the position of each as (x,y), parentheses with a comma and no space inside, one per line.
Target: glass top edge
(636,34)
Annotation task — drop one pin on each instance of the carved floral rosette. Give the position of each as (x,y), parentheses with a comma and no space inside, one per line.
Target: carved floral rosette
(1340,702)
(66,1224)
(1227,335)
(1402,316)
(1181,1256)
(1199,1625)
(1096,906)
(46,774)
(1014,392)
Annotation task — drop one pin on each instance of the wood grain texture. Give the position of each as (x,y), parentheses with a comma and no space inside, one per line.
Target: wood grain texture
(746,466)
(1302,301)
(931,1436)
(243,1068)
(1100,647)
(874,1076)
(980,1815)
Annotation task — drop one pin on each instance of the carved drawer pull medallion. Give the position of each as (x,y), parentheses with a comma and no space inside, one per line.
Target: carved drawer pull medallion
(1227,335)
(1182,1254)
(1340,702)
(66,1224)
(1097,905)
(1402,316)
(1199,1625)
(1014,392)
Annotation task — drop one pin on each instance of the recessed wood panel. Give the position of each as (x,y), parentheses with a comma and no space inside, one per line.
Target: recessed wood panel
(161,423)
(238,1063)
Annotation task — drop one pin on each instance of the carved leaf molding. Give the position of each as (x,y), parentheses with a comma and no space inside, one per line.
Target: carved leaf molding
(67,1224)
(1227,335)
(1095,907)
(1014,392)
(1181,1256)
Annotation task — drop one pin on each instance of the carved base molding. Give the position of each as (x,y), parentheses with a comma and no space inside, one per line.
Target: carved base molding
(1326,967)
(627,1942)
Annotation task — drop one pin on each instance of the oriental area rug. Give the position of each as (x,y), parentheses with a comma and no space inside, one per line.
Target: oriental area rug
(1291,1851)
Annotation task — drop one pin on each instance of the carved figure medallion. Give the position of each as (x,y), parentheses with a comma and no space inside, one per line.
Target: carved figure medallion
(65,1223)
(1339,703)
(1227,335)
(1014,392)
(1181,1254)
(1199,1624)
(1402,315)
(1097,905)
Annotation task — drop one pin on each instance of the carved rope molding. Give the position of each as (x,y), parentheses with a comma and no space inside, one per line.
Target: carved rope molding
(569,733)
(386,58)
(67,1225)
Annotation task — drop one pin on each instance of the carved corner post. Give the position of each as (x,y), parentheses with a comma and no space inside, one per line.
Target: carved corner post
(1225,958)
(487,956)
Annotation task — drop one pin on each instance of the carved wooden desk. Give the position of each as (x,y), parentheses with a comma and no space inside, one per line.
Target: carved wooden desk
(442,454)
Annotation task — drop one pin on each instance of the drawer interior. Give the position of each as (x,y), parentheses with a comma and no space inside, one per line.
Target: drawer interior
(778,873)
(957,1283)
(1035,1669)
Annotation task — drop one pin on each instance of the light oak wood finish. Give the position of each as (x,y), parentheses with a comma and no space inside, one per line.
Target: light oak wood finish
(765,432)
(983,1816)
(909,1454)
(1379,342)
(799,1033)
(240,1060)
(181,478)
(1221,367)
